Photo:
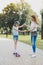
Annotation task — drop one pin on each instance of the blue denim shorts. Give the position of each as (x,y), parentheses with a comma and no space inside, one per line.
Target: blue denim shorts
(15,37)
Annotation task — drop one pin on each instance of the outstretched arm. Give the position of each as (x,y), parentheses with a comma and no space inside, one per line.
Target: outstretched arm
(26,25)
(24,31)
(23,25)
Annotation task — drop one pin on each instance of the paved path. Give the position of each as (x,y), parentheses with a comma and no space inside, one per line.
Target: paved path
(7,57)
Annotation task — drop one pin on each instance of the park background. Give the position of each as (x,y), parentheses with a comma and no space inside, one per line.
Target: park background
(21,10)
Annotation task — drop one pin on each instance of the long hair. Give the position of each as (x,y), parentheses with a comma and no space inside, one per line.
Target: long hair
(35,19)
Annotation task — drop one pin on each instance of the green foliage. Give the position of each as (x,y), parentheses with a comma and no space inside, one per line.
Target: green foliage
(13,12)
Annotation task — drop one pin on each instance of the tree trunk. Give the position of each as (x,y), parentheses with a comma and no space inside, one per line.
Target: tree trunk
(42,31)
(42,28)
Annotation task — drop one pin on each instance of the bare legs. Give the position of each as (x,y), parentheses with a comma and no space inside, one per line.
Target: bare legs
(15,46)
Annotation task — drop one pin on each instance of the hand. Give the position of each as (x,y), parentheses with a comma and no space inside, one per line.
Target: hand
(23,31)
(24,24)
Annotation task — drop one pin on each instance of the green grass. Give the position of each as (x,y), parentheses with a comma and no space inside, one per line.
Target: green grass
(26,39)
(4,36)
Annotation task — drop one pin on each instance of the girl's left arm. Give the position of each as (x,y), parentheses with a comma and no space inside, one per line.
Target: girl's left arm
(24,31)
(21,26)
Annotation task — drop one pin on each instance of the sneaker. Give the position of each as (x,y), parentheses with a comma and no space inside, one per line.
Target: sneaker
(34,55)
(17,55)
(14,53)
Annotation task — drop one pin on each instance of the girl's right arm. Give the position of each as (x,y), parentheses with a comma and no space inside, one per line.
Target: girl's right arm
(26,25)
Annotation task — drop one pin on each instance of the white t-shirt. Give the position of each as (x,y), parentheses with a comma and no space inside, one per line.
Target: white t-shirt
(15,30)
(33,24)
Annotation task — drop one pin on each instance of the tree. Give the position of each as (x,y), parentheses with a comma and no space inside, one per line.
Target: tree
(2,20)
(11,14)
(42,24)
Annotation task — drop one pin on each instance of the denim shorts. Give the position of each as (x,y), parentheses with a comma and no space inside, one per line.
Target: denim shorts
(15,37)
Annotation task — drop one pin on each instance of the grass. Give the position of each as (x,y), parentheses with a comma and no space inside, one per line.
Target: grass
(26,39)
(4,36)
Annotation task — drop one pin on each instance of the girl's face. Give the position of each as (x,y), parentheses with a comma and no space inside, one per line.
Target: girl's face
(17,25)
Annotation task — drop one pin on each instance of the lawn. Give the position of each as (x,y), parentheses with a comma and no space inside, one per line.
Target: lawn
(26,39)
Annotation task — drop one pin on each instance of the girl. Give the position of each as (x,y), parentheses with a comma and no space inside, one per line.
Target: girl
(15,36)
(33,30)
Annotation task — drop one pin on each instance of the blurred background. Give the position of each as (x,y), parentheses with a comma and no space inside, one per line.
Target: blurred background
(21,10)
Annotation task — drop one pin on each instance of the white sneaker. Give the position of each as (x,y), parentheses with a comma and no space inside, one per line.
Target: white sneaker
(34,55)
